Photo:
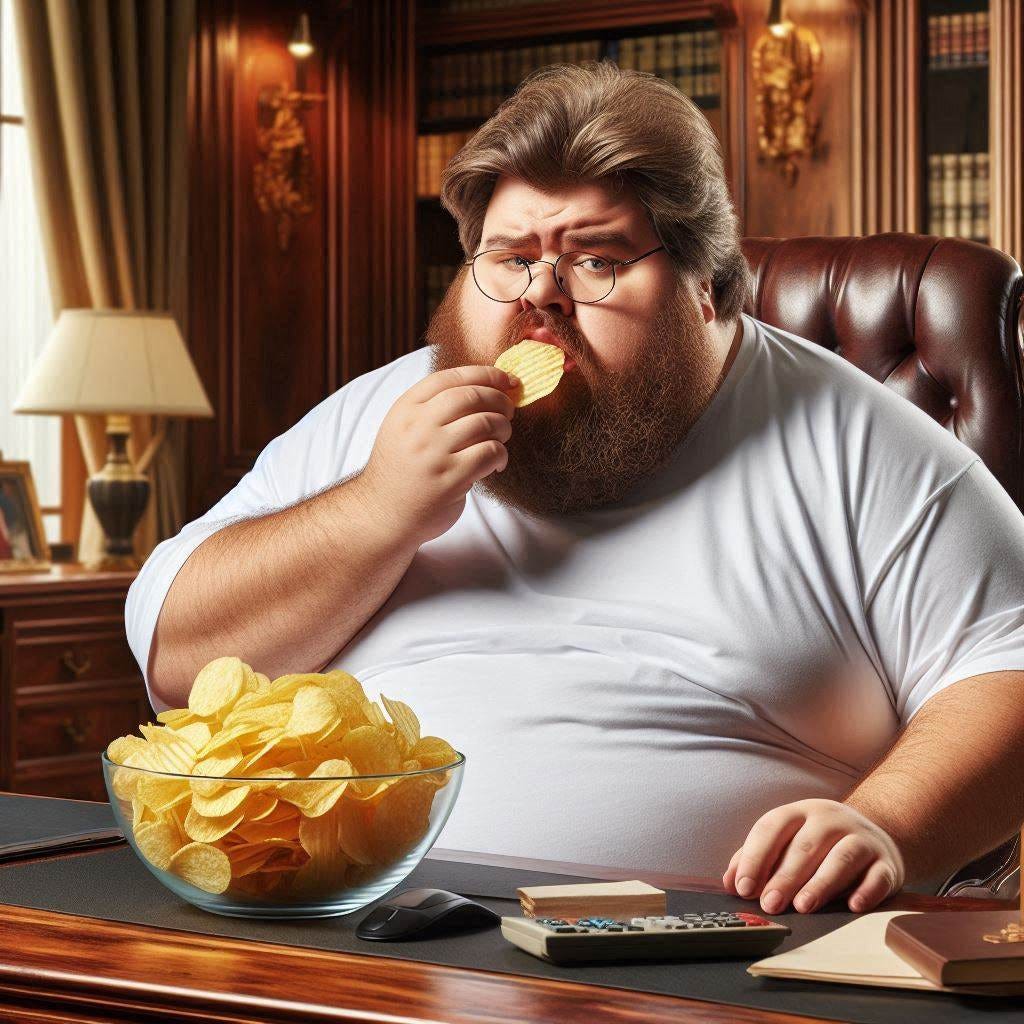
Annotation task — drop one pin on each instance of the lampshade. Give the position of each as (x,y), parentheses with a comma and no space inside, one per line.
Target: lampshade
(114,361)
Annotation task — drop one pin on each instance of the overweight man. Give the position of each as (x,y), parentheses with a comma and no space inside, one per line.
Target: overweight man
(719,604)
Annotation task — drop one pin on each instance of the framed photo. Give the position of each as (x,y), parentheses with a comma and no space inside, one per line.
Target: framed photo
(23,545)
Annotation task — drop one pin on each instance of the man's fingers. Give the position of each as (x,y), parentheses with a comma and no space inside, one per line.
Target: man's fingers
(878,884)
(805,853)
(763,847)
(457,376)
(729,878)
(842,867)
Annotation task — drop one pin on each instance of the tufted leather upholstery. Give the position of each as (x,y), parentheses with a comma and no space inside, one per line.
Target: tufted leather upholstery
(941,322)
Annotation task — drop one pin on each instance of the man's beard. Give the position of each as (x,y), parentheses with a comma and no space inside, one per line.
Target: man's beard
(598,434)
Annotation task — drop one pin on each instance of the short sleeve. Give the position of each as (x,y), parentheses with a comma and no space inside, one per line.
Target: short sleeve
(948,603)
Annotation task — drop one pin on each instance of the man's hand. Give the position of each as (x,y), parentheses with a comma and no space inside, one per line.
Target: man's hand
(810,852)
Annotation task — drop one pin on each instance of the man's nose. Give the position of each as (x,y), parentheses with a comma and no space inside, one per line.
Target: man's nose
(544,291)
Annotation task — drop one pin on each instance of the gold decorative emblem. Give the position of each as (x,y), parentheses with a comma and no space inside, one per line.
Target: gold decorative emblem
(282,178)
(785,59)
(1013,932)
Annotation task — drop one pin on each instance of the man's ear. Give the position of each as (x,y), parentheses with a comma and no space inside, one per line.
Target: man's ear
(706,298)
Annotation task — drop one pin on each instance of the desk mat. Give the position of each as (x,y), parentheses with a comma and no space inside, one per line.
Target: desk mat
(113,885)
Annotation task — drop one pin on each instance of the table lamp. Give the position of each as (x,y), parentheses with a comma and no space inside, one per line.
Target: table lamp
(116,363)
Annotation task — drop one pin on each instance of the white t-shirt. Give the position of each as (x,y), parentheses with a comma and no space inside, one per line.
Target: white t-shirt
(635,686)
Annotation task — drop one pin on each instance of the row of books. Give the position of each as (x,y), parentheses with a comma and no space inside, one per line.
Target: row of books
(432,154)
(958,39)
(691,61)
(958,195)
(473,84)
(437,281)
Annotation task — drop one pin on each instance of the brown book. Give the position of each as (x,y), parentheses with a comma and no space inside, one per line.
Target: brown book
(961,947)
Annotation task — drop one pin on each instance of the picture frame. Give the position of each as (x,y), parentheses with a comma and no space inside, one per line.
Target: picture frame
(23,546)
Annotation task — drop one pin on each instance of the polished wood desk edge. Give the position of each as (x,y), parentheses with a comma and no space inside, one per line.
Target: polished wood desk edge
(128,964)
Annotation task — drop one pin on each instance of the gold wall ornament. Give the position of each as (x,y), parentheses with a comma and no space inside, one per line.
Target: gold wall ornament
(283,176)
(785,58)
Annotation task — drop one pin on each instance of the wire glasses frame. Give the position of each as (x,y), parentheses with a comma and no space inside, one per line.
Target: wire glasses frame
(558,280)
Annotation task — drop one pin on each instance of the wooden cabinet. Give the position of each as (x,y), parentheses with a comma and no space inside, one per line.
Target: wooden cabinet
(68,681)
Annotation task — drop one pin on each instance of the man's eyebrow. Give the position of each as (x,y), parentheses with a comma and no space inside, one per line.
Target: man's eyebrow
(583,236)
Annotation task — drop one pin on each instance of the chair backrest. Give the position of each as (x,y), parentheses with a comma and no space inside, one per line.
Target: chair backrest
(939,320)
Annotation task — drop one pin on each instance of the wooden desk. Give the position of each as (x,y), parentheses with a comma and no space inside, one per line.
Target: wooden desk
(60,968)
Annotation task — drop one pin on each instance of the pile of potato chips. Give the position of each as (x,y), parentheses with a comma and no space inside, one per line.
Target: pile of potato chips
(306,825)
(538,365)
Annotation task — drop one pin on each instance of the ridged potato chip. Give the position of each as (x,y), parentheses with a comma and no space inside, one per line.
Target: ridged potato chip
(538,365)
(202,865)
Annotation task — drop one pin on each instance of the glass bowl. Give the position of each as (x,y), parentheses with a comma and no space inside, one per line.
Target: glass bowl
(281,847)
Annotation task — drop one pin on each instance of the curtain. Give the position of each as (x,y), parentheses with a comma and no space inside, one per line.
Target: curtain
(105,85)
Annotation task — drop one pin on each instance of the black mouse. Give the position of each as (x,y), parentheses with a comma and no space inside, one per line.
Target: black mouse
(416,911)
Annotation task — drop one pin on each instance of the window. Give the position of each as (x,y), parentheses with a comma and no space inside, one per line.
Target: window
(25,311)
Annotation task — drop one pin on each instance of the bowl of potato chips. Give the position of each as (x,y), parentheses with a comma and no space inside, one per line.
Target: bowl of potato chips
(292,797)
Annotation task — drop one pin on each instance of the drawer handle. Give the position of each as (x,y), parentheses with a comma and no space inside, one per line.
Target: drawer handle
(74,733)
(74,666)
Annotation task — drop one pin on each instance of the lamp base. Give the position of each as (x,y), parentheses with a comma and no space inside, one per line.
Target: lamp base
(118,495)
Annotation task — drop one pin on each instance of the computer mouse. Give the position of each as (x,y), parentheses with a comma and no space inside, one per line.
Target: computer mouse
(415,912)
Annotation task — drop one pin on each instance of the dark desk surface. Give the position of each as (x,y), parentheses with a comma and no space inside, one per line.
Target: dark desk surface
(59,967)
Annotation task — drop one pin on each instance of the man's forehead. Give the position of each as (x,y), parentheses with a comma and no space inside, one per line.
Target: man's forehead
(518,209)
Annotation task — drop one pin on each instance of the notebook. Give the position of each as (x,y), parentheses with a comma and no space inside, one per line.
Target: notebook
(856,954)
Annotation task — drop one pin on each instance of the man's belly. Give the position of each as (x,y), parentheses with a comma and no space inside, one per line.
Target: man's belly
(571,756)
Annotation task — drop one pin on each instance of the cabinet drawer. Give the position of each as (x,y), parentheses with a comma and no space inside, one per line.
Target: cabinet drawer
(75,728)
(71,658)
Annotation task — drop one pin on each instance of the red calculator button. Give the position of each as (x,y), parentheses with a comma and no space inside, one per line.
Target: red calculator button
(753,919)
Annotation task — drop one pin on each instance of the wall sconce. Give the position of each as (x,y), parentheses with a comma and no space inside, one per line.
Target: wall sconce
(785,58)
(282,177)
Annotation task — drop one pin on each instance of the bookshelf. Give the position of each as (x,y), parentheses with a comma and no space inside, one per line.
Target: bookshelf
(955,111)
(472,54)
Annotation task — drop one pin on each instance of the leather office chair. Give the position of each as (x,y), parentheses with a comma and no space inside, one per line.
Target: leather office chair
(941,322)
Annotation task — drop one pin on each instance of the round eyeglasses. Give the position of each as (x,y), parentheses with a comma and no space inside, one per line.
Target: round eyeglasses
(504,276)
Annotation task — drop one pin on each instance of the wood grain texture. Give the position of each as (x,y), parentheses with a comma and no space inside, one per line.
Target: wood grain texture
(81,969)
(546,20)
(891,196)
(1006,126)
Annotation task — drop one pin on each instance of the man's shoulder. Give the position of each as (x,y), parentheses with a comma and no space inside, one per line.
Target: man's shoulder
(866,414)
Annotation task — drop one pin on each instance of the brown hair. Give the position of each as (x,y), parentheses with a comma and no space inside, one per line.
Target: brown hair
(570,123)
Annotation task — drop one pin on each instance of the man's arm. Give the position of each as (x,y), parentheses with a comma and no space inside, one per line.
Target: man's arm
(950,789)
(285,591)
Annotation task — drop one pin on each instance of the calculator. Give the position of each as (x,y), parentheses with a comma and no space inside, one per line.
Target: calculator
(668,937)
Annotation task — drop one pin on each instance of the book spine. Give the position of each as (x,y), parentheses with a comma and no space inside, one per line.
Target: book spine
(627,54)
(934,194)
(664,57)
(981,177)
(965,195)
(949,220)
(924,961)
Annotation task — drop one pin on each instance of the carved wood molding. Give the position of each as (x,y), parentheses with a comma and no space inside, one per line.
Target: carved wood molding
(1006,126)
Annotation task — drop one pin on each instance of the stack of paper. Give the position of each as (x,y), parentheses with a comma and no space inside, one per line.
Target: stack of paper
(856,954)
(620,900)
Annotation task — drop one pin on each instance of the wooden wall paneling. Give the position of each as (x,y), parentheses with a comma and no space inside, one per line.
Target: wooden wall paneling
(1006,126)
(890,185)
(273,332)
(821,200)
(375,186)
